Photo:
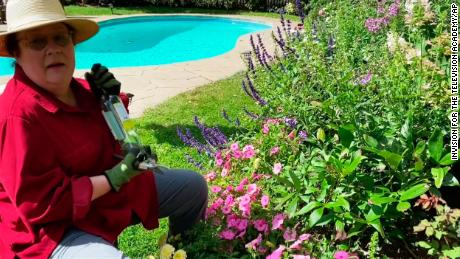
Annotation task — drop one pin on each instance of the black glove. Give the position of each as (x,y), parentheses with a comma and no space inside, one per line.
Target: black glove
(102,82)
(142,152)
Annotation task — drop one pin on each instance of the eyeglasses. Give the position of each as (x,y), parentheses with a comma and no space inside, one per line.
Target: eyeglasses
(40,42)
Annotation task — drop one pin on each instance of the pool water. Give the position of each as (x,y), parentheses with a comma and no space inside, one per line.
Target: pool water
(157,40)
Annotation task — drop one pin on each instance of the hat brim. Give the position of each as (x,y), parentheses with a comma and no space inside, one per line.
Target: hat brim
(84,29)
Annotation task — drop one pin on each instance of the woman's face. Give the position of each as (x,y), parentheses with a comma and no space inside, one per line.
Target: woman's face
(47,56)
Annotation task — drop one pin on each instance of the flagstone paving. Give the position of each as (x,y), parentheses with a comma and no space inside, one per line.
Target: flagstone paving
(152,85)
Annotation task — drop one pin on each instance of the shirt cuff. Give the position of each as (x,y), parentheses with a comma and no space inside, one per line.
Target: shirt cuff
(82,190)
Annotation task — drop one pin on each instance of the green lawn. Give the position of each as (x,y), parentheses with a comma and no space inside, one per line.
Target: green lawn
(158,128)
(97,11)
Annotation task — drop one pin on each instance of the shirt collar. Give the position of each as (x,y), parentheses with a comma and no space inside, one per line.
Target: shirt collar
(85,99)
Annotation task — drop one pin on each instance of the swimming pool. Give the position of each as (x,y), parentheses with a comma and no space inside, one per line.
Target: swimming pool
(157,40)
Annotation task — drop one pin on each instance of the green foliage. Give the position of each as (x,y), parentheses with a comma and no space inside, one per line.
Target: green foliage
(442,233)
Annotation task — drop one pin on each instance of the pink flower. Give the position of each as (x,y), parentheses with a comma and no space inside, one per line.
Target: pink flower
(304,237)
(238,154)
(341,255)
(248,151)
(210,176)
(274,151)
(278,221)
(290,235)
(242,225)
(261,225)
(277,168)
(256,176)
(265,129)
(228,164)
(301,257)
(264,200)
(253,189)
(234,147)
(229,200)
(226,209)
(224,172)
(296,245)
(215,189)
(277,253)
(227,234)
(239,188)
(229,188)
(219,162)
(254,243)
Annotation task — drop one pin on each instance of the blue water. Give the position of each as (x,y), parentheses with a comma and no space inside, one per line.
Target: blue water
(157,40)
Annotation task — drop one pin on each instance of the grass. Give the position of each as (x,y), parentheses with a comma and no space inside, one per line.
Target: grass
(158,129)
(98,11)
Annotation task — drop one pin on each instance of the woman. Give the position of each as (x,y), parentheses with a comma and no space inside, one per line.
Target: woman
(63,192)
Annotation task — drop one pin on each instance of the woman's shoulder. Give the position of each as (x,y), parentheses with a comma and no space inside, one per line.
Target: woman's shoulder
(17,101)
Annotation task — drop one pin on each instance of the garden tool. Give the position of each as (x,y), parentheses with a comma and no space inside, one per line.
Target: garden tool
(122,128)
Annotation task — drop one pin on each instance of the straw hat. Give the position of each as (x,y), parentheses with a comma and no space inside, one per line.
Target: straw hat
(28,14)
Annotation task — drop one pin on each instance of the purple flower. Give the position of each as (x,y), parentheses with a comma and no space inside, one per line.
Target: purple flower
(225,115)
(373,24)
(365,79)
(251,115)
(299,7)
(194,162)
(393,10)
(291,122)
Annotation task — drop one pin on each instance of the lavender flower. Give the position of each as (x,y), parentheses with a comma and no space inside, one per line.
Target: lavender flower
(251,115)
(314,32)
(373,24)
(393,10)
(255,93)
(262,46)
(188,139)
(192,161)
(303,135)
(291,122)
(300,12)
(365,79)
(251,65)
(237,122)
(225,115)
(213,136)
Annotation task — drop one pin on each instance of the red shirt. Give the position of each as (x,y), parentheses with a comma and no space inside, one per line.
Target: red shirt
(48,151)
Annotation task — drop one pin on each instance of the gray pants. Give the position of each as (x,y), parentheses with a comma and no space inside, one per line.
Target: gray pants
(182,196)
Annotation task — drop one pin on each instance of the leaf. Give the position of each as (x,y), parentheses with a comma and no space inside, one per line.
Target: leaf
(320,135)
(295,180)
(292,207)
(378,200)
(438,176)
(450,180)
(378,226)
(403,206)
(284,181)
(435,145)
(310,206)
(346,135)
(340,202)
(446,160)
(406,132)
(391,158)
(420,147)
(414,192)
(315,216)
(372,142)
(452,253)
(356,160)
(424,244)
(429,231)
(325,219)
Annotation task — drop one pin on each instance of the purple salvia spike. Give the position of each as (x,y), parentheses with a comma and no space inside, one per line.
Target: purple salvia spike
(251,115)
(225,115)
(243,85)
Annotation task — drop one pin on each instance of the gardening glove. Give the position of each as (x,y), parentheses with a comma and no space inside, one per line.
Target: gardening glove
(102,82)
(144,153)
(126,169)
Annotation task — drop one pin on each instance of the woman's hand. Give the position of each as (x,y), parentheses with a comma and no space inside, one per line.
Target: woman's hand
(127,168)
(102,82)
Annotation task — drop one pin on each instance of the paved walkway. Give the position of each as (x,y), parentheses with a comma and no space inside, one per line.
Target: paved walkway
(152,85)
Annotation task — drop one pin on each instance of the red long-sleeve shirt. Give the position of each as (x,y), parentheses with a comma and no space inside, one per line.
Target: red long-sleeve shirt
(48,151)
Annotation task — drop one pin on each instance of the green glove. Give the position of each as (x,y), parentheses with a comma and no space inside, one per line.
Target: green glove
(123,171)
(102,82)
